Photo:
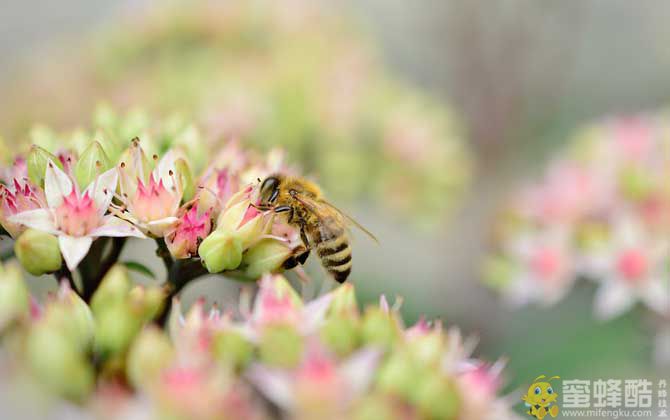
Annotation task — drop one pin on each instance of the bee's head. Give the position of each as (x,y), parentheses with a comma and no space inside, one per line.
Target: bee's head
(269,190)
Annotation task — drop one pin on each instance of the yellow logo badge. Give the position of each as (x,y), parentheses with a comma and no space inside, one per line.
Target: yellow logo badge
(541,398)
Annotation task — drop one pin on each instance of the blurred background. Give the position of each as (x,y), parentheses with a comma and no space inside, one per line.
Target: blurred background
(499,86)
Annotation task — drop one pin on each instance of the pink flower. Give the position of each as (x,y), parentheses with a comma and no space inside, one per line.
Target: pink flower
(192,227)
(277,303)
(634,138)
(632,266)
(479,385)
(18,170)
(151,199)
(320,386)
(20,197)
(75,217)
(568,192)
(545,268)
(193,333)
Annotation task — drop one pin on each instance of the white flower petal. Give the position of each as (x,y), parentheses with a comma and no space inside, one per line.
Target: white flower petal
(114,227)
(165,165)
(40,219)
(159,227)
(656,296)
(359,370)
(314,312)
(74,249)
(274,384)
(613,299)
(56,185)
(102,189)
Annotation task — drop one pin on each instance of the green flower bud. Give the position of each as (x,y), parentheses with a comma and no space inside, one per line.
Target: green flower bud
(70,315)
(148,301)
(379,327)
(186,178)
(429,347)
(344,302)
(232,349)
(14,296)
(498,271)
(281,337)
(149,355)
(373,408)
(37,161)
(116,326)
(437,397)
(267,256)
(281,287)
(341,334)
(92,162)
(230,218)
(636,183)
(113,289)
(38,252)
(230,221)
(221,251)
(399,375)
(58,364)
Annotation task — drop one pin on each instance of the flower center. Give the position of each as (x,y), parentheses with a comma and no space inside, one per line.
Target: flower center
(546,263)
(154,201)
(192,227)
(77,216)
(633,265)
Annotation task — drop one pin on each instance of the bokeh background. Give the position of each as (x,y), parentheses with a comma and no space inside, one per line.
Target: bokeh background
(517,76)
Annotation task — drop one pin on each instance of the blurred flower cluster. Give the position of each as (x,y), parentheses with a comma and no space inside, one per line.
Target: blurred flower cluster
(278,356)
(294,74)
(600,212)
(96,346)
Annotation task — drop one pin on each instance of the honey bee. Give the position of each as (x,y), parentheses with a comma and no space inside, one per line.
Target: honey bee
(322,226)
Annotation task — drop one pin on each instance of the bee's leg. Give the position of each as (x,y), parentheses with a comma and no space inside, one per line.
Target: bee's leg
(283,209)
(303,257)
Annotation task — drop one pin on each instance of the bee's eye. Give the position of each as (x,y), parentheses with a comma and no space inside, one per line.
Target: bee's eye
(538,391)
(269,189)
(550,391)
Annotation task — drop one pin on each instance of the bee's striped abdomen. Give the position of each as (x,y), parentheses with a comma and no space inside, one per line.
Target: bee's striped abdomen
(335,254)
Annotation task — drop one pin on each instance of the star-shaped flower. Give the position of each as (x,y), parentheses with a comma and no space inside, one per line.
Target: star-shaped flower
(76,217)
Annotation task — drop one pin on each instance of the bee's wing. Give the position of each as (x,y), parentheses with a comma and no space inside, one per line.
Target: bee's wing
(351,220)
(316,207)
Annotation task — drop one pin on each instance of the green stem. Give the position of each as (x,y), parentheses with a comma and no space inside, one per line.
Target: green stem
(179,274)
(163,252)
(7,254)
(93,281)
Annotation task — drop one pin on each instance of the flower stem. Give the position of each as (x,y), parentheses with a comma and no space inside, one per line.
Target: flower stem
(164,253)
(7,254)
(93,280)
(179,274)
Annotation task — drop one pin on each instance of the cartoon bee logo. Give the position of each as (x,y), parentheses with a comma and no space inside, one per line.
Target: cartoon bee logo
(541,398)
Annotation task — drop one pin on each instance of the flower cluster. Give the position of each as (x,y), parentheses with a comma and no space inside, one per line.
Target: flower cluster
(96,345)
(289,74)
(601,212)
(278,357)
(57,205)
